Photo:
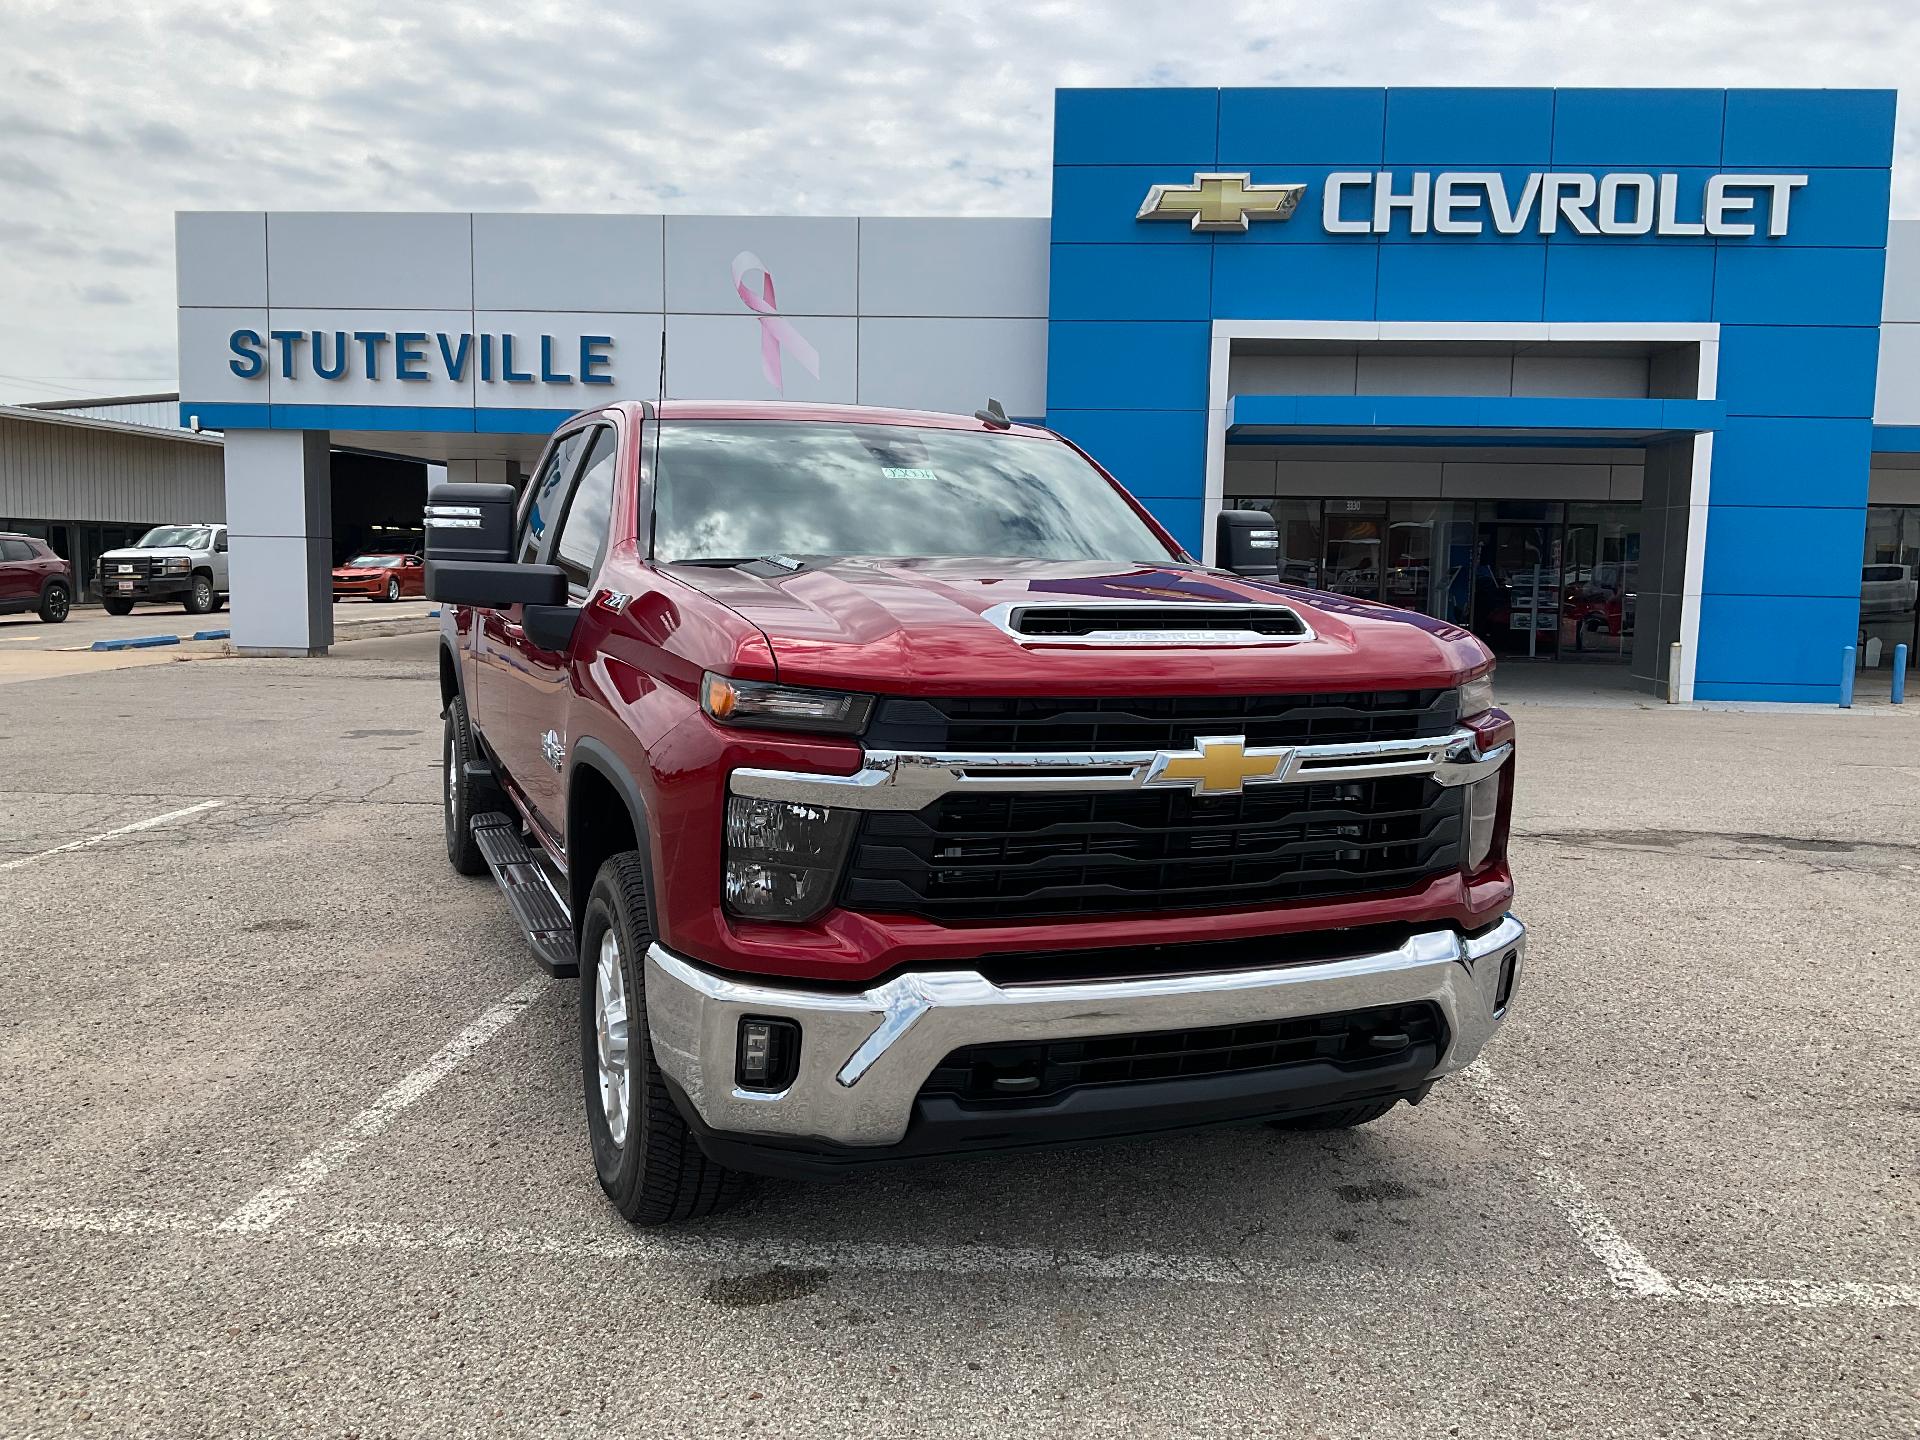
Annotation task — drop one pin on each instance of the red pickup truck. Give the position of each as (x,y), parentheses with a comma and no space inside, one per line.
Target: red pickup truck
(897,787)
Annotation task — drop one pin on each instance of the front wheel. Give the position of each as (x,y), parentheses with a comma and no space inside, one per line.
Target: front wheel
(118,607)
(645,1156)
(199,600)
(393,591)
(461,797)
(55,604)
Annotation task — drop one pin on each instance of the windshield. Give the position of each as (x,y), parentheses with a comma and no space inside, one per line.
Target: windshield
(187,537)
(733,490)
(373,562)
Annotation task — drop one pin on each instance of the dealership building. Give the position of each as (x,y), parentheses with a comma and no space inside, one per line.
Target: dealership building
(1628,378)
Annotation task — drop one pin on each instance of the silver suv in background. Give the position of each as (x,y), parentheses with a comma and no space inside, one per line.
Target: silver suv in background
(184,562)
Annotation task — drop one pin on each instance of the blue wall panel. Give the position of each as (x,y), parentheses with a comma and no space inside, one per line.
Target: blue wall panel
(1637,129)
(1461,282)
(1134,127)
(1311,282)
(1781,128)
(1798,369)
(1780,550)
(1775,640)
(1629,282)
(1122,365)
(1129,282)
(1324,126)
(1765,460)
(1462,128)
(1151,452)
(1799,286)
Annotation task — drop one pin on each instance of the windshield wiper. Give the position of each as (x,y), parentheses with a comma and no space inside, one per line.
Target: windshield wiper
(782,562)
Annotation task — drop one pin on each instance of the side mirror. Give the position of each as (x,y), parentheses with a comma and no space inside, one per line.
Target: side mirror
(494,585)
(471,522)
(1247,542)
(470,552)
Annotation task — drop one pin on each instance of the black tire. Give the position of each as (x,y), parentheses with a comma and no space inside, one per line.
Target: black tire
(658,1174)
(219,602)
(118,607)
(55,602)
(200,599)
(393,591)
(1345,1118)
(462,798)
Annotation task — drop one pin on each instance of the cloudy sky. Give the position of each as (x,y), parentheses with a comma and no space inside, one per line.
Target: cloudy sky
(114,115)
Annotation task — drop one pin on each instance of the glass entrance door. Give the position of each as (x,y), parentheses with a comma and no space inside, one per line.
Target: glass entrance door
(1355,534)
(1517,588)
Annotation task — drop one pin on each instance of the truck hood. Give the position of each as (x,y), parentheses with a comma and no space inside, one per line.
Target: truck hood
(920,626)
(151,552)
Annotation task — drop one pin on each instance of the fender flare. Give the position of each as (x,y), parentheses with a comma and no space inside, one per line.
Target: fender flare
(587,753)
(53,580)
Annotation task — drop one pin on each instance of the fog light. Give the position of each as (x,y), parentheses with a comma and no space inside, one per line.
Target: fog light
(1483,807)
(769,1054)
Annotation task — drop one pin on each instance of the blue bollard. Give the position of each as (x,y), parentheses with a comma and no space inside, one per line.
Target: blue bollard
(1846,678)
(1899,674)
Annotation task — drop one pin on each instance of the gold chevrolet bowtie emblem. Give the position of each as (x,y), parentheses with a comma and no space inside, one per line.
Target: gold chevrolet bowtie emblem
(1217,765)
(1220,202)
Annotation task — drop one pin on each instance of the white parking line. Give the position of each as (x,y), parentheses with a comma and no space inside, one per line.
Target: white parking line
(731,1252)
(272,1202)
(1631,1271)
(92,840)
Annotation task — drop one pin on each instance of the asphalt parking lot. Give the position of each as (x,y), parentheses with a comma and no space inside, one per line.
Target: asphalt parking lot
(291,1140)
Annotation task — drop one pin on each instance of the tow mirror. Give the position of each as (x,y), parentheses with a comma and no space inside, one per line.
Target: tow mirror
(470,552)
(1247,542)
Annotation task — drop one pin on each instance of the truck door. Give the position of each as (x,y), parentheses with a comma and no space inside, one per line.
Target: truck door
(499,642)
(543,701)
(218,563)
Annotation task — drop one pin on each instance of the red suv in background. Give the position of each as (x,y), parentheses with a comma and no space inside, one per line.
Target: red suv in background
(32,577)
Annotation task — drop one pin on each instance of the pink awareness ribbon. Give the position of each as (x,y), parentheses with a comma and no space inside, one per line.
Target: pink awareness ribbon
(776,332)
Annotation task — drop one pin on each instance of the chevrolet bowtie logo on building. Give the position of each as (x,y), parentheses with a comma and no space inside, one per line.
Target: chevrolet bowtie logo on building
(1218,765)
(1221,202)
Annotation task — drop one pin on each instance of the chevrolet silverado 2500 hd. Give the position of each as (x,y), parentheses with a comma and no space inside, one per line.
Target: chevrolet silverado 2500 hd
(896,787)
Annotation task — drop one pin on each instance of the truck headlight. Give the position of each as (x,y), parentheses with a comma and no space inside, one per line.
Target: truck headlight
(783,860)
(1476,696)
(178,564)
(1483,808)
(782,707)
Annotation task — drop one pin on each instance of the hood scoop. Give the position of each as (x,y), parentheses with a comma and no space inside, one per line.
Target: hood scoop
(1150,623)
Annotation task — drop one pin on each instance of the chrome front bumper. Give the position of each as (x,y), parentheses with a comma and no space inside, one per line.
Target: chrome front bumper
(864,1056)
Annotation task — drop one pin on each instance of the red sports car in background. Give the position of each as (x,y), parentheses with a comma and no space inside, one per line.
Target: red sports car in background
(380,577)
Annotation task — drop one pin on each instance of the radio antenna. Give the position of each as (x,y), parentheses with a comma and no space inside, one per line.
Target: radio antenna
(659,404)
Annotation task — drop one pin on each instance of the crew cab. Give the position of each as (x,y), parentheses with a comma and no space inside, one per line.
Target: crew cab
(187,563)
(896,787)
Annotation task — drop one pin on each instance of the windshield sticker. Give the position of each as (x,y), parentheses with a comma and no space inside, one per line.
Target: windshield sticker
(902,472)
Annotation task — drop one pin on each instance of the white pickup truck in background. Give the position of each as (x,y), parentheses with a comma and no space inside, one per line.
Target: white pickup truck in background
(187,562)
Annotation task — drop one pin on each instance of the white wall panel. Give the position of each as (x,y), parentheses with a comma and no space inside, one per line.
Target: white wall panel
(814,263)
(718,356)
(568,262)
(1896,396)
(353,387)
(205,376)
(1612,376)
(954,267)
(1291,375)
(1414,479)
(220,257)
(635,357)
(954,364)
(363,260)
(1476,480)
(1902,294)
(1435,375)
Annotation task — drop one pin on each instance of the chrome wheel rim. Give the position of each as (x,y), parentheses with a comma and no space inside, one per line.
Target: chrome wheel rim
(450,775)
(393,589)
(57,604)
(611,1036)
